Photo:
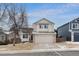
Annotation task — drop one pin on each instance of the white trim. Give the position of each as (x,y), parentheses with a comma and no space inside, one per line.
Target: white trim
(24,34)
(75,31)
(69,27)
(72,42)
(24,39)
(72,36)
(44,33)
(75,24)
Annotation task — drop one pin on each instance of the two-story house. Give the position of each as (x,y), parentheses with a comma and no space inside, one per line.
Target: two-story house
(44,34)
(70,31)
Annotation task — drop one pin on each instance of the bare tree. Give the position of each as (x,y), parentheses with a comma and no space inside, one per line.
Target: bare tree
(3,12)
(17,17)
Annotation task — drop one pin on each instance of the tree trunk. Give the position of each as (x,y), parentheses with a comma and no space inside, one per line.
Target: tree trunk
(16,37)
(14,40)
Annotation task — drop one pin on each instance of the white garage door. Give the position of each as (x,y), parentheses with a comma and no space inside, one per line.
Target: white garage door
(44,41)
(43,38)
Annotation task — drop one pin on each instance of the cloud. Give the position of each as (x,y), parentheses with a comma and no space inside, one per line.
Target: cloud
(61,15)
(45,12)
(70,5)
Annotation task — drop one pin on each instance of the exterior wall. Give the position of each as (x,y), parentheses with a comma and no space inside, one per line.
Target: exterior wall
(50,28)
(67,30)
(10,36)
(74,31)
(2,37)
(37,26)
(34,26)
(24,39)
(44,37)
(64,32)
(44,40)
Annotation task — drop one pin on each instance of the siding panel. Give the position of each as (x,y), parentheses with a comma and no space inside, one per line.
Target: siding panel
(64,32)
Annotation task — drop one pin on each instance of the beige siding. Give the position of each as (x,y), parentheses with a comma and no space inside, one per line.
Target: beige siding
(44,37)
(37,26)
(44,21)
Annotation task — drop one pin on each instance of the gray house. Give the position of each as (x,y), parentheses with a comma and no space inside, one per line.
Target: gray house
(3,36)
(69,31)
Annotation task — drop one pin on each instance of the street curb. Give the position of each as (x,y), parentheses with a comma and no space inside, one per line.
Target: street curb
(37,50)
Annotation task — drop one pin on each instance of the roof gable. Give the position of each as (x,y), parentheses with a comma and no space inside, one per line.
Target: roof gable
(43,20)
(75,20)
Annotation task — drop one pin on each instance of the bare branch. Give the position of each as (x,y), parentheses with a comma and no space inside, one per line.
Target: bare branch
(17,19)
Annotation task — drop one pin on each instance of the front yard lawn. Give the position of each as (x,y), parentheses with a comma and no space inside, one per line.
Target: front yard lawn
(20,46)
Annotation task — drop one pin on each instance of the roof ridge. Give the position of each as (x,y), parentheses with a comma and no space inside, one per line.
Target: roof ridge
(43,19)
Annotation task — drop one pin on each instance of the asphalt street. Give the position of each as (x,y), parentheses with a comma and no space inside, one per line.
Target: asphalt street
(54,53)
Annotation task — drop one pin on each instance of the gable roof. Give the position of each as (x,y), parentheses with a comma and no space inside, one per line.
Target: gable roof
(63,25)
(76,19)
(68,23)
(43,19)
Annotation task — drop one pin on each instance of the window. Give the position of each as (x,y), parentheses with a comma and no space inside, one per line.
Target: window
(25,35)
(75,26)
(41,26)
(2,37)
(44,26)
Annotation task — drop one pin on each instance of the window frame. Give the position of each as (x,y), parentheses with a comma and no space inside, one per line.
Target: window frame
(43,26)
(46,26)
(25,36)
(76,25)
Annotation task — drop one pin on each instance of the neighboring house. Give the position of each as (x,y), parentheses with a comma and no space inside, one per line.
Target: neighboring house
(44,33)
(70,31)
(25,35)
(3,36)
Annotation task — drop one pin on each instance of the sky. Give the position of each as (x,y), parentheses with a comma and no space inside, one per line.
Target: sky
(59,13)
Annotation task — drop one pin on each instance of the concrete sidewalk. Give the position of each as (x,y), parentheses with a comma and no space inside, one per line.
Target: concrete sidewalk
(37,50)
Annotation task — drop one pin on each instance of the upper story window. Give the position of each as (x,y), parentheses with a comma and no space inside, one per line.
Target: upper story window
(46,26)
(43,26)
(75,26)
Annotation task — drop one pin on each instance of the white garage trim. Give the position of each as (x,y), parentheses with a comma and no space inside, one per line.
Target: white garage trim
(44,40)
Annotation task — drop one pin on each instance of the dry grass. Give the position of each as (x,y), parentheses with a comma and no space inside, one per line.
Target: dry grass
(21,46)
(72,45)
(67,45)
